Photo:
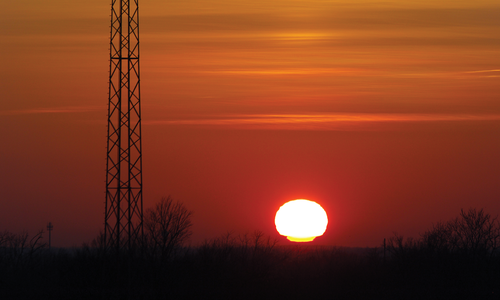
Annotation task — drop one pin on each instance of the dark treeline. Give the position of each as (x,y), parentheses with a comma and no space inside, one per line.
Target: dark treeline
(458,259)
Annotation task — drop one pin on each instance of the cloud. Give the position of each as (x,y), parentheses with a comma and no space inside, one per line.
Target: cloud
(52,110)
(319,121)
(331,19)
(457,75)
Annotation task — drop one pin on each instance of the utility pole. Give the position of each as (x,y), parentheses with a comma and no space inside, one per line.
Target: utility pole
(49,229)
(384,249)
(123,217)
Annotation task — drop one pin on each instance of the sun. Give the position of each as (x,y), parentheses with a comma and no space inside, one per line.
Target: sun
(301,220)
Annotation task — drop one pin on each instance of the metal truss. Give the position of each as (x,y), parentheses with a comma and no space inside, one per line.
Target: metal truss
(123,223)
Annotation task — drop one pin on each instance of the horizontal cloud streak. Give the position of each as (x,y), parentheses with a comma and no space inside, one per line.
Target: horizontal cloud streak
(52,110)
(334,18)
(261,56)
(320,121)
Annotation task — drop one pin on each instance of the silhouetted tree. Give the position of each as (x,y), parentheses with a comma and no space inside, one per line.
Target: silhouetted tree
(438,238)
(475,233)
(167,226)
(402,251)
(16,249)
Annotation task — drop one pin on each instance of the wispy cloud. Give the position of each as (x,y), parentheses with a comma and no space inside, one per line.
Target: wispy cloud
(52,110)
(290,71)
(485,73)
(458,75)
(319,121)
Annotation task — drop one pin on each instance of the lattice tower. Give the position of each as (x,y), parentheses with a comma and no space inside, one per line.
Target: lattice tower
(123,223)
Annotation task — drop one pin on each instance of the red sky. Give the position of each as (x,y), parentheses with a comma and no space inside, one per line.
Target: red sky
(387,114)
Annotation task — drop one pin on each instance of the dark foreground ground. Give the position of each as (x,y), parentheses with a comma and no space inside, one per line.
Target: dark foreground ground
(223,271)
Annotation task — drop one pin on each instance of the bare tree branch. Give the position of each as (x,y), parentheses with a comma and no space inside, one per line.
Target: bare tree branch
(167,226)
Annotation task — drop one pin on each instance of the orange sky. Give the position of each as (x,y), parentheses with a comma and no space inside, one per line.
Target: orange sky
(387,113)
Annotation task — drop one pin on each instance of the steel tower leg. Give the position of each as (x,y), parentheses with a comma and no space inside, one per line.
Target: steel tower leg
(123,222)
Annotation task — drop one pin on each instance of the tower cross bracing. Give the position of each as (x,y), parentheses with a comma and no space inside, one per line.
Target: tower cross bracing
(123,224)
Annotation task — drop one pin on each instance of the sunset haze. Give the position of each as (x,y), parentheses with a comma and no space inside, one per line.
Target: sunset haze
(387,114)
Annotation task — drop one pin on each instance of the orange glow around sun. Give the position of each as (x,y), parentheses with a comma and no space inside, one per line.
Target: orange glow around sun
(301,220)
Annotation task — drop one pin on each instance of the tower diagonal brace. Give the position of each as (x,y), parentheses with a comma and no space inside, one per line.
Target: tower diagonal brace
(123,216)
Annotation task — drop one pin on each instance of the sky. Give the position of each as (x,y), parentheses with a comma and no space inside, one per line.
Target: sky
(387,113)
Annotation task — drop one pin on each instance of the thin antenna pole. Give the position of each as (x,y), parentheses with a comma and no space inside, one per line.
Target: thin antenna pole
(49,229)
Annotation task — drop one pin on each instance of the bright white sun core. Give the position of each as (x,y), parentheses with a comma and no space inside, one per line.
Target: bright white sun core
(301,220)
